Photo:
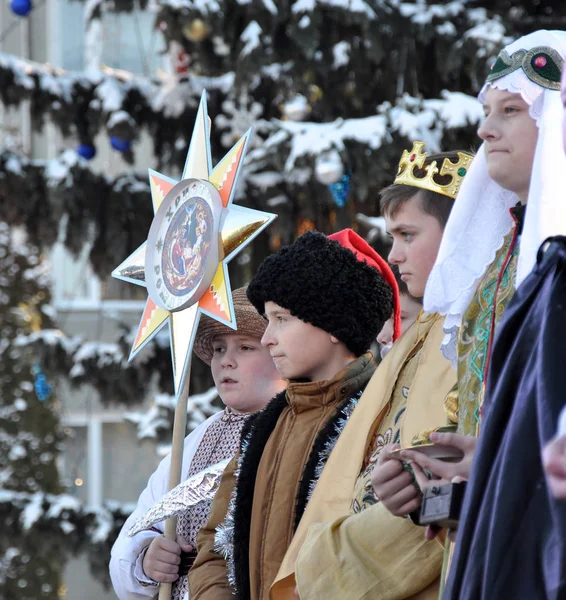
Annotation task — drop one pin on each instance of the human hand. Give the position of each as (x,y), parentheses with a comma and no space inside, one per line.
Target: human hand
(162,559)
(443,471)
(394,485)
(554,463)
(432,531)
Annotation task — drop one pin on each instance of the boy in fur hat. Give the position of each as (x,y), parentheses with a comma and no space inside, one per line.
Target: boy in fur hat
(325,300)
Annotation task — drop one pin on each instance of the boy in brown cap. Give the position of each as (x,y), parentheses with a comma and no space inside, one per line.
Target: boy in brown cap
(246,380)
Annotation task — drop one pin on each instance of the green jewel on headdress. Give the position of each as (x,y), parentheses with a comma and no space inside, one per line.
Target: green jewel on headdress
(542,64)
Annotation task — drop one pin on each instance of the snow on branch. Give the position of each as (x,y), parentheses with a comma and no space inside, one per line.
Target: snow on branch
(66,524)
(157,419)
(103,366)
(65,97)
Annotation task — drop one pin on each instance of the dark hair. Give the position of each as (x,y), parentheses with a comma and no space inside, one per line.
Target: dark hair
(393,197)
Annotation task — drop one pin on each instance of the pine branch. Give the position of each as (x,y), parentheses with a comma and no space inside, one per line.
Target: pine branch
(44,523)
(84,104)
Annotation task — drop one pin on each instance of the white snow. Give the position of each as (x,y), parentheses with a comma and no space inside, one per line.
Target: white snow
(17,451)
(93,44)
(111,95)
(457,109)
(150,422)
(120,116)
(251,37)
(303,6)
(20,404)
(265,179)
(424,15)
(372,222)
(341,52)
(313,138)
(270,5)
(14,165)
(32,512)
(277,200)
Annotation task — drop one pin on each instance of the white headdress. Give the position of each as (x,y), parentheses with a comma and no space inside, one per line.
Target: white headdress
(480,218)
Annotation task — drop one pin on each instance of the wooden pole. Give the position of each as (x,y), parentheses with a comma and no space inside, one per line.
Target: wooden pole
(177,447)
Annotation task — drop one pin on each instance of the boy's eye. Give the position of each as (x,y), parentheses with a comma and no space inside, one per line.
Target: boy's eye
(246,348)
(218,350)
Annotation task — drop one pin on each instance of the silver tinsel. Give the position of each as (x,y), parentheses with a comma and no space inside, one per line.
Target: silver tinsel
(195,489)
(224,536)
(345,413)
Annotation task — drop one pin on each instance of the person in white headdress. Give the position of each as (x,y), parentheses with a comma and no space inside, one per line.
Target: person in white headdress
(507,206)
(510,202)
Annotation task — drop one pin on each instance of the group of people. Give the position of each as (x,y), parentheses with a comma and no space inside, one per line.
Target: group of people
(322,496)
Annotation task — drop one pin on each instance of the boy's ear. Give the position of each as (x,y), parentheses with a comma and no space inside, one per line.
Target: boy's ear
(334,340)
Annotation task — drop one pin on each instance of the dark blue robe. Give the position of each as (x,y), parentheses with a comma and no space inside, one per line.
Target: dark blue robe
(512,534)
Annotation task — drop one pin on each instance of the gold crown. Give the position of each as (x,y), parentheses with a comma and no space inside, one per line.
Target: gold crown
(416,158)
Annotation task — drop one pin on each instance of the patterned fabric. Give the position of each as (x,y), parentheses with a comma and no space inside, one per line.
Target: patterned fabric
(219,442)
(481,318)
(387,432)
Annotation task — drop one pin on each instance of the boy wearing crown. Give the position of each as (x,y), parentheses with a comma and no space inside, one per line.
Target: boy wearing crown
(348,545)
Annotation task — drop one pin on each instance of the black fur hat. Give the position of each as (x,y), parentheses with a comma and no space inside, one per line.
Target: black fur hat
(328,285)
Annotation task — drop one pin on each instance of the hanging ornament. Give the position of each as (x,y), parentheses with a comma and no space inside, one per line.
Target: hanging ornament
(120,144)
(22,8)
(196,30)
(42,387)
(86,151)
(180,59)
(296,109)
(341,189)
(329,167)
(315,93)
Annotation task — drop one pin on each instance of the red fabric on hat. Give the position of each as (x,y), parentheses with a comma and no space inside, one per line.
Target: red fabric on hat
(348,238)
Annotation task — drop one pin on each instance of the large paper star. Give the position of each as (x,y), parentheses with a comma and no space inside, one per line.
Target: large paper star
(238,226)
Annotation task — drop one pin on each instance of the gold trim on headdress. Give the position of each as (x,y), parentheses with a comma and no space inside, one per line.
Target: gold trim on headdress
(416,158)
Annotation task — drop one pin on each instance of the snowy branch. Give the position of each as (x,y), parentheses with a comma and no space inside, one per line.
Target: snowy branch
(159,417)
(61,523)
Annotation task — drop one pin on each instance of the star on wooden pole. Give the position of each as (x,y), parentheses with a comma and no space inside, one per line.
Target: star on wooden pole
(196,231)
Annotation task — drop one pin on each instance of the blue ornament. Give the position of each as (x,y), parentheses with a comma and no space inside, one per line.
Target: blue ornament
(22,8)
(341,189)
(86,151)
(43,388)
(120,144)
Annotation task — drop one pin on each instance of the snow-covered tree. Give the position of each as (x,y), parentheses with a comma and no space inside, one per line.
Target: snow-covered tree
(336,90)
(30,435)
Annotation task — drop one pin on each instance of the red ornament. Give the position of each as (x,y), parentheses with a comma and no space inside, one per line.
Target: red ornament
(412,157)
(540,62)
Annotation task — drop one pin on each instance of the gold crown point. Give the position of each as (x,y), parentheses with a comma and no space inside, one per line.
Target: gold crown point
(416,157)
